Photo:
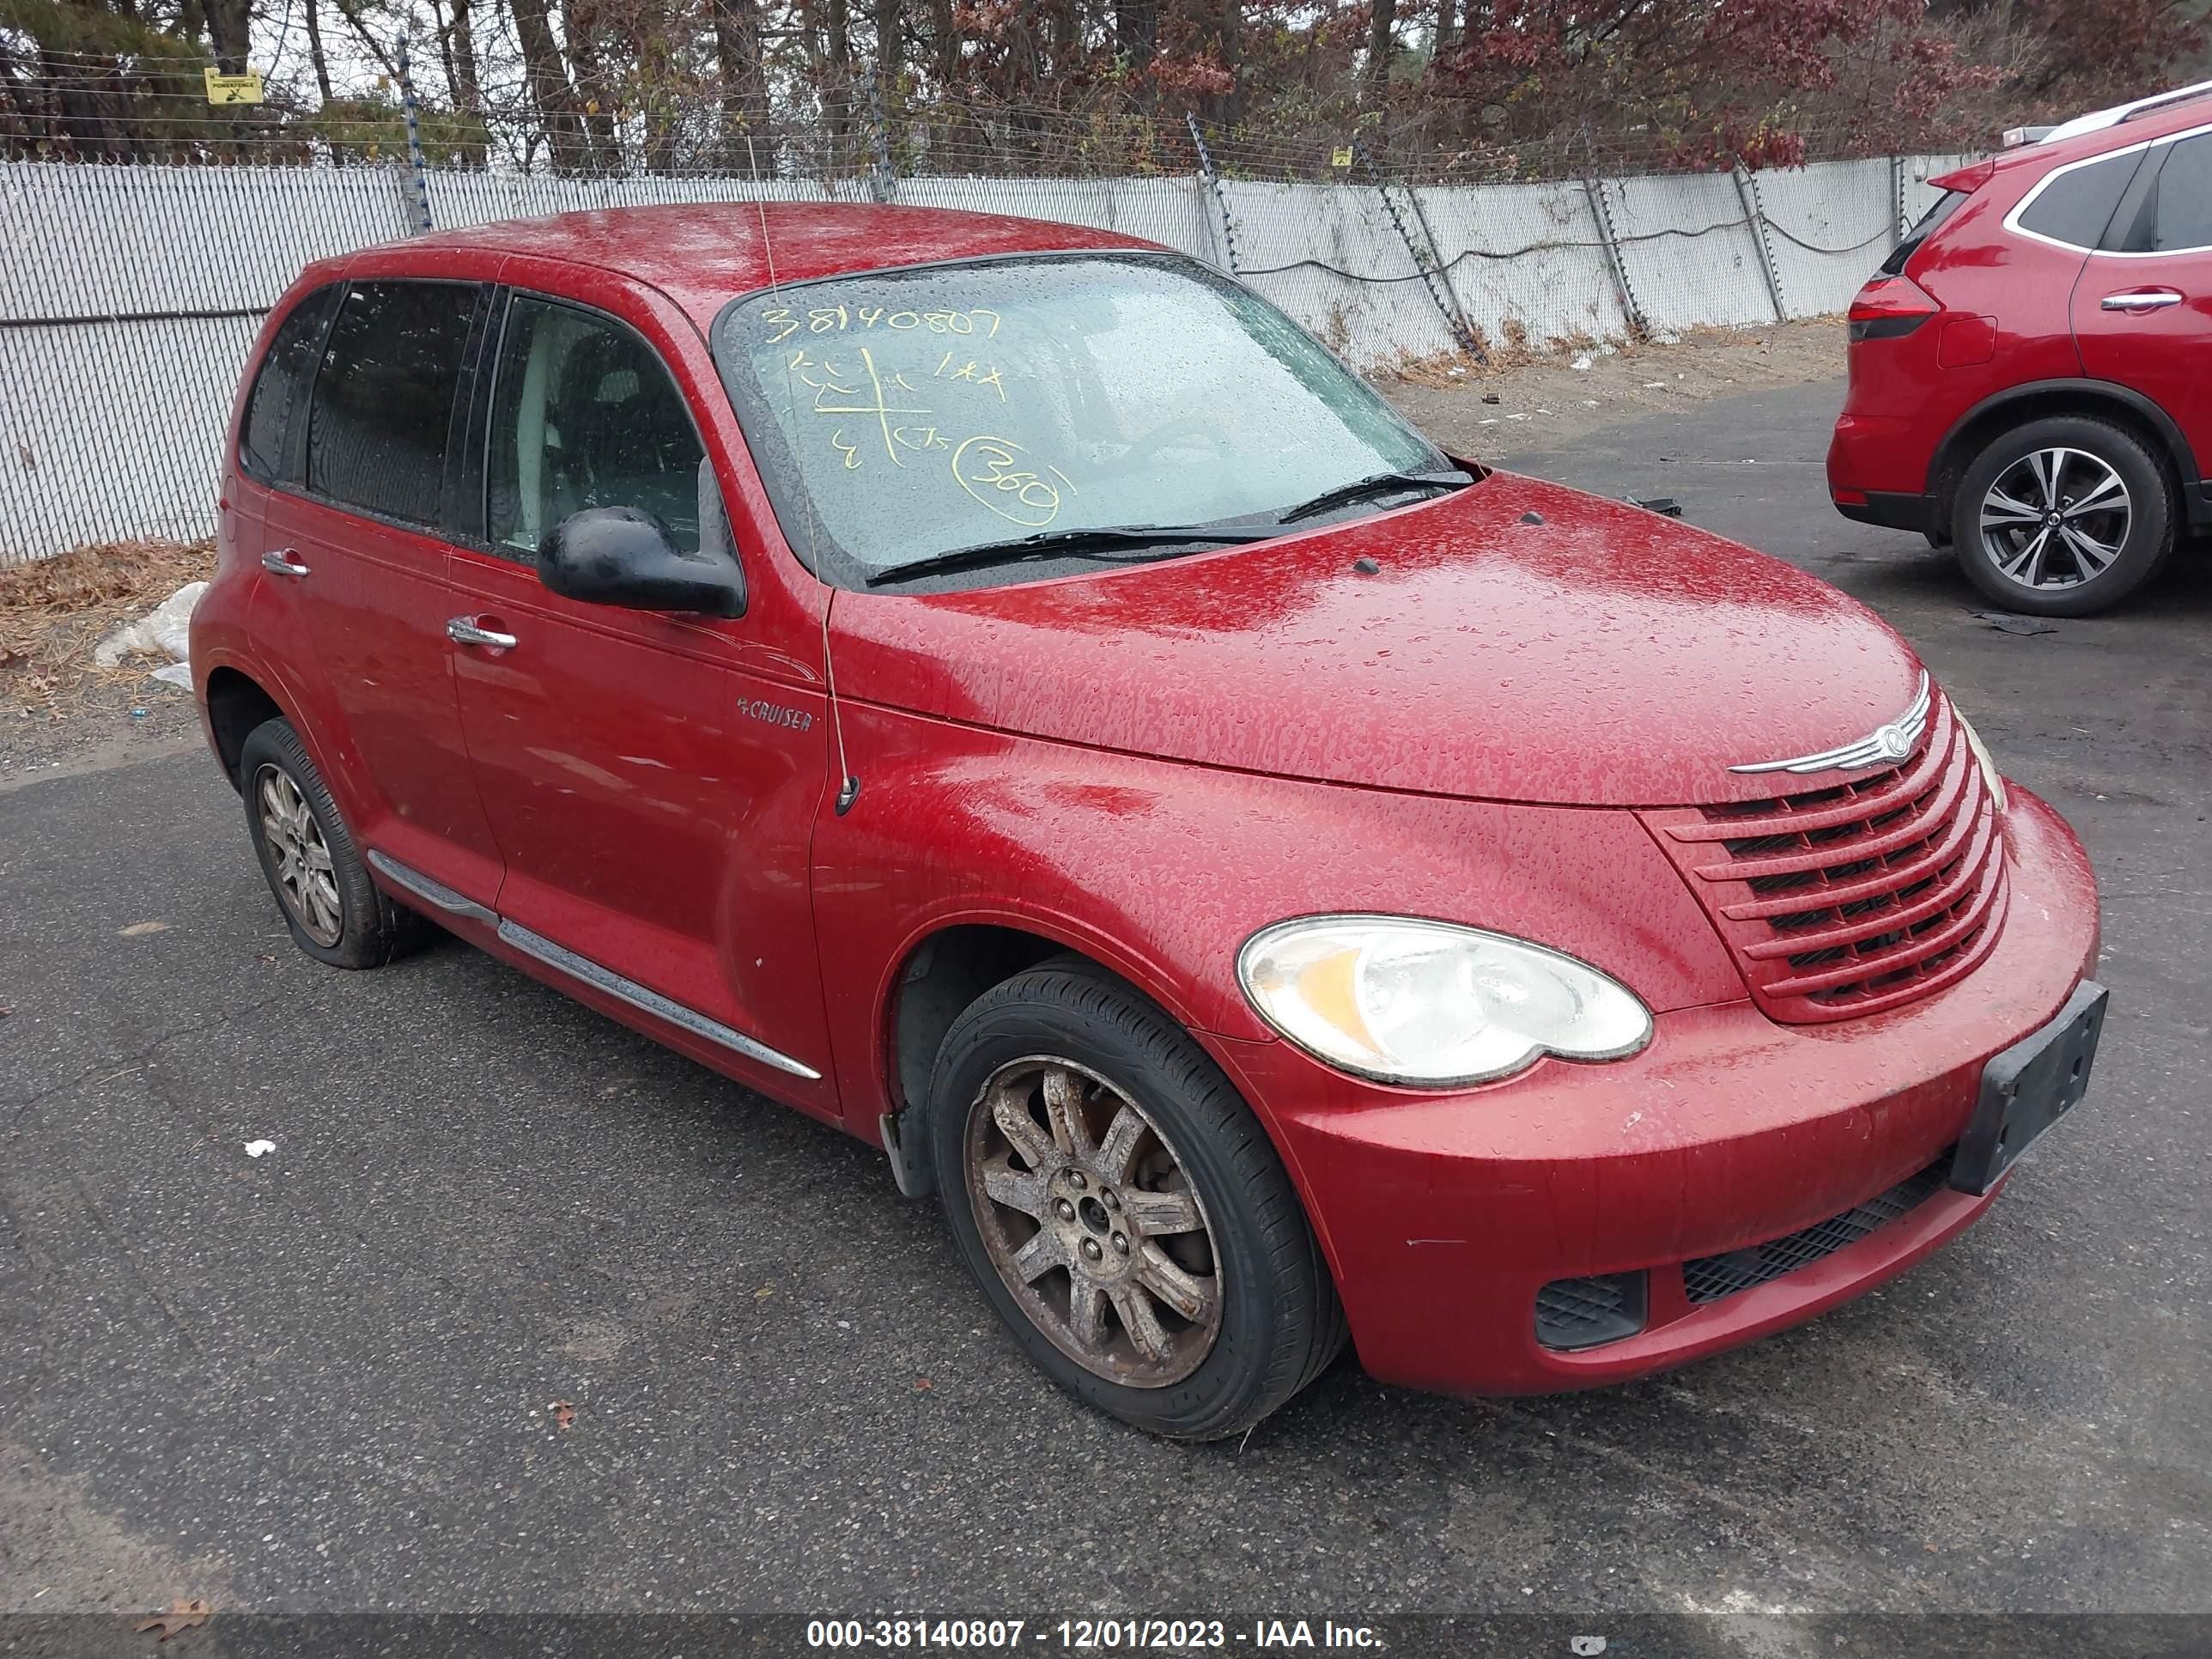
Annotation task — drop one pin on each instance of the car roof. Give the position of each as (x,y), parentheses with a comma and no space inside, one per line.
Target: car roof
(2146,122)
(702,254)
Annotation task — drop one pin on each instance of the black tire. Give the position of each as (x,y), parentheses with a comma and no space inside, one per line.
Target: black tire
(2145,545)
(370,929)
(1280,1323)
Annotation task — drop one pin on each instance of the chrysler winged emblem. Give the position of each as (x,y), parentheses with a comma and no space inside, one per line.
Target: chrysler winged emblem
(1885,745)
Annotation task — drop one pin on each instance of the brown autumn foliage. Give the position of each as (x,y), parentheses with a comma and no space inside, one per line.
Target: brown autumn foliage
(785,86)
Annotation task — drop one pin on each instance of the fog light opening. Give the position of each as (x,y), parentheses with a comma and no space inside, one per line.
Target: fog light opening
(1572,1314)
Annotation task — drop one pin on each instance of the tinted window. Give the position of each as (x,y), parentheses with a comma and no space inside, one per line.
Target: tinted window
(262,449)
(584,415)
(376,427)
(2182,215)
(2075,207)
(1946,205)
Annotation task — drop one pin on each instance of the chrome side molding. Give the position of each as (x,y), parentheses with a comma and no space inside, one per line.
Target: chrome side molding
(433,892)
(638,996)
(427,889)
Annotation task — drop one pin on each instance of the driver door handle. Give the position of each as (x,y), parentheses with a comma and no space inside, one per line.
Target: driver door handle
(2141,298)
(463,630)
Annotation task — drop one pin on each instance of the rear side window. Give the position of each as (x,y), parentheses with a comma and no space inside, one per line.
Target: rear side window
(383,400)
(2181,211)
(263,447)
(2075,207)
(1946,205)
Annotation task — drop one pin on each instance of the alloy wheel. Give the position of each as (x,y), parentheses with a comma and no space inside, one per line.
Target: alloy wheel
(305,879)
(1088,1215)
(2055,518)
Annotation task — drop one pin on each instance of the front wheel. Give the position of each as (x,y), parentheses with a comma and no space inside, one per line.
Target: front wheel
(2063,517)
(1123,1210)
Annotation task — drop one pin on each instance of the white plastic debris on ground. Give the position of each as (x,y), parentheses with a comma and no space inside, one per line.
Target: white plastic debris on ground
(164,630)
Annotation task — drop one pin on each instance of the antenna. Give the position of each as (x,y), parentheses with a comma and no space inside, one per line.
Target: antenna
(848,788)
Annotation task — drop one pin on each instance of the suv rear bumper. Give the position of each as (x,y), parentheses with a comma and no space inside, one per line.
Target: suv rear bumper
(1445,1216)
(1890,510)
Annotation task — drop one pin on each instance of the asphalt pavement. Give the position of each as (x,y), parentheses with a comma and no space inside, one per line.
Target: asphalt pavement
(326,1378)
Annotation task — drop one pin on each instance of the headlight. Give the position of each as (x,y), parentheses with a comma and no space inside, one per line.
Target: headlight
(1989,774)
(1430,1003)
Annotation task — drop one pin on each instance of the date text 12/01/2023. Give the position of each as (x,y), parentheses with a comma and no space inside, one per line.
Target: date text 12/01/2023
(1083,1635)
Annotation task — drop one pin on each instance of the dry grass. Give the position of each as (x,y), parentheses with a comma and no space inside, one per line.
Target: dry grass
(53,611)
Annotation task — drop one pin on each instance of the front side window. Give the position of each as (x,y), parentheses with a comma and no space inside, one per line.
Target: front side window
(903,415)
(585,414)
(383,402)
(264,444)
(2074,207)
(2181,214)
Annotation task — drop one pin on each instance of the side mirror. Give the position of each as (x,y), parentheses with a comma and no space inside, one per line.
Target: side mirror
(620,556)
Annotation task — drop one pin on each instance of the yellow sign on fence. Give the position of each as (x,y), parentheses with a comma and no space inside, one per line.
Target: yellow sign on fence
(234,89)
(1340,157)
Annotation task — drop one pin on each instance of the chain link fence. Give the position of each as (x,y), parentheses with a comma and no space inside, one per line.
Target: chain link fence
(150,233)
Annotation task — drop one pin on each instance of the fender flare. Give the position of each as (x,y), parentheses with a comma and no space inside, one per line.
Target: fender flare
(265,674)
(2178,452)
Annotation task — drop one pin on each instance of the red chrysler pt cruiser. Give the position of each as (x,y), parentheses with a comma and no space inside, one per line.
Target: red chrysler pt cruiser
(1005,690)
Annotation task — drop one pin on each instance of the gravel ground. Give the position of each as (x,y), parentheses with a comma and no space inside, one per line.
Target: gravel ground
(1542,402)
(57,710)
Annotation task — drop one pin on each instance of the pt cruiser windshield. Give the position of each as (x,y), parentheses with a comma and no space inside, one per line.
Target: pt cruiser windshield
(1008,409)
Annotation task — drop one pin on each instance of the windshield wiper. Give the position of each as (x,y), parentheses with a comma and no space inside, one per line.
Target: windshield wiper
(1373,484)
(1063,544)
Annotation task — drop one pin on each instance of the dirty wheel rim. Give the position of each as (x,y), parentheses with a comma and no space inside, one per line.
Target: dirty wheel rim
(305,880)
(1091,1219)
(2056,518)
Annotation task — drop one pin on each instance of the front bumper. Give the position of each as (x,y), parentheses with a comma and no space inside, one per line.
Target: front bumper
(1444,1215)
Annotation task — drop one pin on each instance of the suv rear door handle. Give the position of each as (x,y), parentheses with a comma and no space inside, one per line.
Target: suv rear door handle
(283,562)
(463,630)
(2141,298)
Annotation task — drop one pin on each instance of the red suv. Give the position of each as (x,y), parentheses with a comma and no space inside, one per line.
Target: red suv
(1005,690)
(2031,370)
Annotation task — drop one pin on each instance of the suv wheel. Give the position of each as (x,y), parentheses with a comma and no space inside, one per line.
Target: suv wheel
(1123,1210)
(337,913)
(2063,517)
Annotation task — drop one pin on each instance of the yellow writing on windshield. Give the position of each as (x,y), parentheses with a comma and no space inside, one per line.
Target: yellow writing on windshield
(981,374)
(880,408)
(991,470)
(784,321)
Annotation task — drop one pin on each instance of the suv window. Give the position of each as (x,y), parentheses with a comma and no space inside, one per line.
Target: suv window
(1946,205)
(383,400)
(2181,215)
(2074,208)
(263,447)
(585,414)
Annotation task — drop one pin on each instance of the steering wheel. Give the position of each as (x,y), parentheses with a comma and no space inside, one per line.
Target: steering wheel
(1149,446)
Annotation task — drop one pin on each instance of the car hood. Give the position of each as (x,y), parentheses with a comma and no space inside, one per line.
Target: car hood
(1518,640)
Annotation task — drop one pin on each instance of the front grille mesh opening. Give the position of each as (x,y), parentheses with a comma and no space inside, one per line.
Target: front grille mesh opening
(1709,1278)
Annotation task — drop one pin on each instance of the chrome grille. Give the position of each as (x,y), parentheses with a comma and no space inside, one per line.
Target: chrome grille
(1856,898)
